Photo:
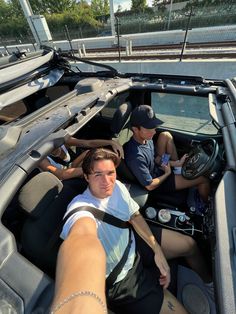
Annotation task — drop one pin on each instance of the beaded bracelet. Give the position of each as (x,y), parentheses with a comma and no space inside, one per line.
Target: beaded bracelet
(79,294)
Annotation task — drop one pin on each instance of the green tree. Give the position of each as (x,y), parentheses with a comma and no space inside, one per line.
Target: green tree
(138,5)
(79,21)
(52,6)
(4,10)
(15,9)
(106,7)
(160,6)
(100,7)
(12,21)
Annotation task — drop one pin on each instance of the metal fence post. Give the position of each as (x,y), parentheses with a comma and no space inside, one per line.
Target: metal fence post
(127,48)
(130,47)
(79,50)
(84,50)
(118,36)
(186,34)
(69,40)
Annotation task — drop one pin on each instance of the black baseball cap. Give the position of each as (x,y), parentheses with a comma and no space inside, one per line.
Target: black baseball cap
(144,116)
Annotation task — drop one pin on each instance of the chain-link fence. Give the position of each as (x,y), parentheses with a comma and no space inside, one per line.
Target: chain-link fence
(154,19)
(220,15)
(161,20)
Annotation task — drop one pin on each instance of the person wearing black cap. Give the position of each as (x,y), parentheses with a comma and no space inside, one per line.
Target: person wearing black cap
(146,165)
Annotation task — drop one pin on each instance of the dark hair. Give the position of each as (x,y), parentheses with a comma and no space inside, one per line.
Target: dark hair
(97,154)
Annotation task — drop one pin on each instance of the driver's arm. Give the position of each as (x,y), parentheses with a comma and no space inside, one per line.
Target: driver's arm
(173,163)
(157,181)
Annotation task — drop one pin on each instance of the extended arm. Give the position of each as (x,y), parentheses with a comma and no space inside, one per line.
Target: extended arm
(81,266)
(72,141)
(62,174)
(142,228)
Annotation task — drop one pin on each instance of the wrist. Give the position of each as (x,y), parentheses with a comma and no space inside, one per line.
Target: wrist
(155,246)
(166,174)
(176,163)
(79,172)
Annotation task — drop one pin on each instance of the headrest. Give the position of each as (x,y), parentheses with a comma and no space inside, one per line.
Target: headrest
(38,193)
(120,117)
(124,173)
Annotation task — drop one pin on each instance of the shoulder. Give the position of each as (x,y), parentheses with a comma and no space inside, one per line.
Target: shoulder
(130,143)
(150,143)
(80,200)
(122,189)
(119,185)
(131,148)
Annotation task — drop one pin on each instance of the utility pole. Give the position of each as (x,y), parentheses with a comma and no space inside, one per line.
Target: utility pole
(112,18)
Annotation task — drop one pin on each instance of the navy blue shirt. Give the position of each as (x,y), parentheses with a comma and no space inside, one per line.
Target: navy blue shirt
(140,158)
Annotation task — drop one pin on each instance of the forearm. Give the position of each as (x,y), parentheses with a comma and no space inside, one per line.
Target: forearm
(64,174)
(71,173)
(80,267)
(117,148)
(73,141)
(99,143)
(142,228)
(157,181)
(87,143)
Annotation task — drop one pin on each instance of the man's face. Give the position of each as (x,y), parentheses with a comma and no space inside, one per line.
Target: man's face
(102,180)
(144,134)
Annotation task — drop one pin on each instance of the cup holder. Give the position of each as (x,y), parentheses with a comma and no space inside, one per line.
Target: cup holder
(174,219)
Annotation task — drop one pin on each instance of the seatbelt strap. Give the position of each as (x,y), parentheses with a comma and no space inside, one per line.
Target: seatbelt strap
(100,215)
(111,279)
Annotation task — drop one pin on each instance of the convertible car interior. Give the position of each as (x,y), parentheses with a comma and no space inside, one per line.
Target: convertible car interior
(199,114)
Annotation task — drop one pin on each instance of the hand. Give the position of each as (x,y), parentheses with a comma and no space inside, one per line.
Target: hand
(166,168)
(163,266)
(118,149)
(179,163)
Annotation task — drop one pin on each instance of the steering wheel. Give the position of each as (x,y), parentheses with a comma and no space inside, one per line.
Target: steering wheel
(200,160)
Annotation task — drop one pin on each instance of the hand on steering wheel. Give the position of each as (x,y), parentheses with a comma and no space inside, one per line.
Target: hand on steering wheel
(200,160)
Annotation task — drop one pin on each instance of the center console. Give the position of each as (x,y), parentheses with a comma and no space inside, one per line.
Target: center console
(188,222)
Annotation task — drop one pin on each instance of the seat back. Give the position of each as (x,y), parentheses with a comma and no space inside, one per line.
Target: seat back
(44,199)
(120,118)
(121,133)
